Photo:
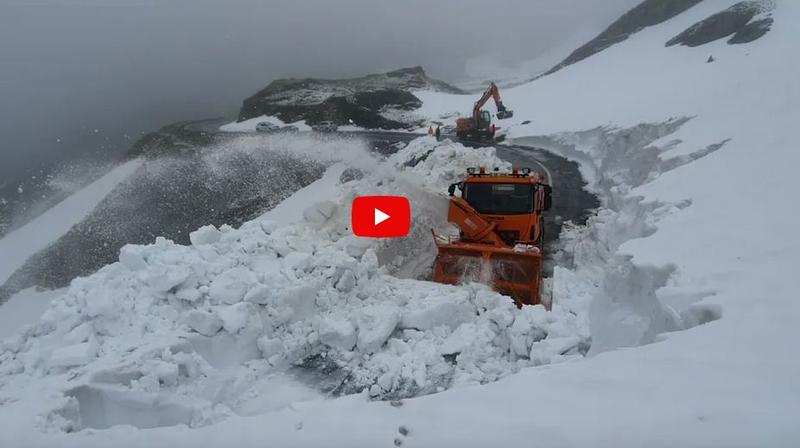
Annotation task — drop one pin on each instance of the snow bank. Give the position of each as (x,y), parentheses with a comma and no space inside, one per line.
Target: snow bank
(182,322)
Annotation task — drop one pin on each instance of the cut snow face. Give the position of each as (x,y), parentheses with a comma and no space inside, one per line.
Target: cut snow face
(631,304)
(196,333)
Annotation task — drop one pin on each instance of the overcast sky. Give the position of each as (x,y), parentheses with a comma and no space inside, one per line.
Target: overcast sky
(68,67)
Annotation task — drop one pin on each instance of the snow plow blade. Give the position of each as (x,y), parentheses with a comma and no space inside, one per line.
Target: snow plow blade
(512,272)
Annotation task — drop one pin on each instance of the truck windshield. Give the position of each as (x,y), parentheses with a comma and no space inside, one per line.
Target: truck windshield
(500,199)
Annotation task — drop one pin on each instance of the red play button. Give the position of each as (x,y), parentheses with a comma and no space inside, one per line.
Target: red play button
(381,216)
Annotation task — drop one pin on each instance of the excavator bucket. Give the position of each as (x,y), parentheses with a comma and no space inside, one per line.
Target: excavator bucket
(515,273)
(503,114)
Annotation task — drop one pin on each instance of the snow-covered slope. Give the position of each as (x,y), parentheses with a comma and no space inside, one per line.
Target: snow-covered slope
(286,308)
(695,164)
(19,245)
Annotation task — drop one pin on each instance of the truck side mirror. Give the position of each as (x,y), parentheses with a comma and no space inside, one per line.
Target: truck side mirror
(452,189)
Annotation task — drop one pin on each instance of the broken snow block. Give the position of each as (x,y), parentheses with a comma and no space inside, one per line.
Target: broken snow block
(375,324)
(231,286)
(205,235)
(79,334)
(297,261)
(346,282)
(270,347)
(166,372)
(259,294)
(242,316)
(268,226)
(131,257)
(459,339)
(355,246)
(74,355)
(337,333)
(320,212)
(301,300)
(205,323)
(451,310)
(169,278)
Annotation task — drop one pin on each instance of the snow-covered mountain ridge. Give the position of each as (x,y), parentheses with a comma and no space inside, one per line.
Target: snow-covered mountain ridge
(382,100)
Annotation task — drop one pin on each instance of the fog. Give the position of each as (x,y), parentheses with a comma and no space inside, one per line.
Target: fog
(84,78)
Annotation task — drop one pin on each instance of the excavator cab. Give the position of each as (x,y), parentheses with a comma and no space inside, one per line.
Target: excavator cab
(500,233)
(485,119)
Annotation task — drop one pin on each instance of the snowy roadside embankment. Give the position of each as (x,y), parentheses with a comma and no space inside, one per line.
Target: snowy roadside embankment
(205,326)
(19,245)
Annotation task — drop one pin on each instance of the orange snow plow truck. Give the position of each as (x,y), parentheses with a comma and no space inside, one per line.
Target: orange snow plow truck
(499,243)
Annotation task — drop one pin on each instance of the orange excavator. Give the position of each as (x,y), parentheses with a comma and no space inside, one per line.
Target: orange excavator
(499,243)
(479,126)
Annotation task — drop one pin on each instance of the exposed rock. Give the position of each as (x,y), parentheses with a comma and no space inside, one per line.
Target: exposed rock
(369,101)
(350,174)
(752,31)
(736,20)
(645,14)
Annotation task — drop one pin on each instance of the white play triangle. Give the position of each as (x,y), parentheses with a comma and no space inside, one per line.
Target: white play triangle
(380,216)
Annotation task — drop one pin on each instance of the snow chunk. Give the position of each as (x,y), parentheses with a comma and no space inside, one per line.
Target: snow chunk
(297,260)
(231,286)
(74,355)
(299,301)
(425,313)
(241,316)
(131,257)
(346,282)
(320,212)
(167,279)
(268,226)
(166,372)
(203,322)
(337,332)
(270,347)
(259,294)
(529,326)
(375,324)
(355,246)
(205,235)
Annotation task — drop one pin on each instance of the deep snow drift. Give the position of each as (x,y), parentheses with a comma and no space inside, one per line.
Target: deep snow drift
(193,334)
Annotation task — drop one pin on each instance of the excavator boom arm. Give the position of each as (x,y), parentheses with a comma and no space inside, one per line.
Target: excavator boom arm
(494,93)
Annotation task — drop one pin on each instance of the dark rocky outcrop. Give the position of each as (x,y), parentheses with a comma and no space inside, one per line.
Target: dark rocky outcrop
(370,101)
(647,13)
(752,31)
(736,20)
